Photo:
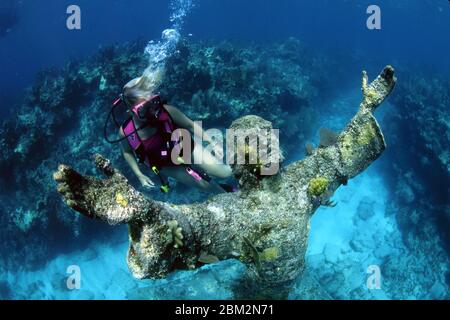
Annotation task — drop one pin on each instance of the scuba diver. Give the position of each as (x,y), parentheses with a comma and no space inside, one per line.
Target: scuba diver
(147,138)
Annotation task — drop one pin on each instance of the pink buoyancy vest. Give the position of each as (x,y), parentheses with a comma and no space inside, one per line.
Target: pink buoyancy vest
(154,151)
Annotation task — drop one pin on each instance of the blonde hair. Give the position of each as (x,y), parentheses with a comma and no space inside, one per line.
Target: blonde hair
(143,87)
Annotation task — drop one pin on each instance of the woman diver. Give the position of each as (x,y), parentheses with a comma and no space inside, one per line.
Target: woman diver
(147,137)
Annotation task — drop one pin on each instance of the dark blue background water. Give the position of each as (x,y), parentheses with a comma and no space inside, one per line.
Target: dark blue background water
(416,31)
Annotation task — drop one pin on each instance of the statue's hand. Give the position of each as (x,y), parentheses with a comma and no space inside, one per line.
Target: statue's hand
(112,199)
(73,186)
(379,89)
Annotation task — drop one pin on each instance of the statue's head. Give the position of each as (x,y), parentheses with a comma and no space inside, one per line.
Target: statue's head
(253,150)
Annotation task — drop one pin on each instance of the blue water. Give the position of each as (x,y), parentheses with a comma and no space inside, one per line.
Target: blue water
(406,230)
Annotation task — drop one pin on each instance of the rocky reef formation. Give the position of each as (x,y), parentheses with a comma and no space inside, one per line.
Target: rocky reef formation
(265,224)
(61,121)
(420,175)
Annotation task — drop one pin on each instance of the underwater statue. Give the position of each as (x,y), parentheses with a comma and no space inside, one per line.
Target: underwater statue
(265,224)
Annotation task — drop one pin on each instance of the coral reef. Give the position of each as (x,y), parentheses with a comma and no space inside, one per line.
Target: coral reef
(419,178)
(318,186)
(265,224)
